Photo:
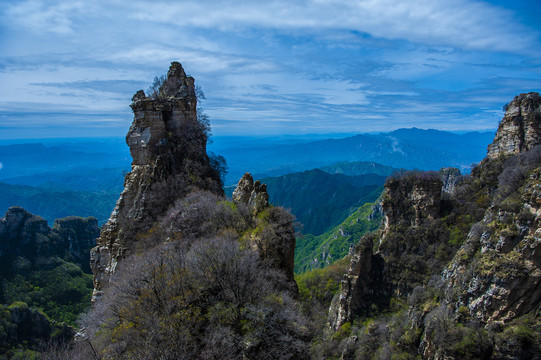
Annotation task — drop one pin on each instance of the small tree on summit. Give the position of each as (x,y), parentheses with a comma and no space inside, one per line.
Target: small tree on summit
(153,91)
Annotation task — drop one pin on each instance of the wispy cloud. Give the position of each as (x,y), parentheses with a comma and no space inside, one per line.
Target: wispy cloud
(55,17)
(110,86)
(284,65)
(457,23)
(463,24)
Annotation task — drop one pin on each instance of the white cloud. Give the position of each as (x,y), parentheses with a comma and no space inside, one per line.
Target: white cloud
(458,23)
(463,24)
(46,16)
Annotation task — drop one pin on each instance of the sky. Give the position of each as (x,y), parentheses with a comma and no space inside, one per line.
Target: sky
(274,67)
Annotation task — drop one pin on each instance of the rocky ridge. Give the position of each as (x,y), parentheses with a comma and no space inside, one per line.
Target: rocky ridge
(493,278)
(408,201)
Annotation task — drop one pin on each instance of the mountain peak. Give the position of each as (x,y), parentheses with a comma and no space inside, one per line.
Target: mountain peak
(520,128)
(168,146)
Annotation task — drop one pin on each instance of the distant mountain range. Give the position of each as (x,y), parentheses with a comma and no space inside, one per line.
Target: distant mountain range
(404,148)
(84,176)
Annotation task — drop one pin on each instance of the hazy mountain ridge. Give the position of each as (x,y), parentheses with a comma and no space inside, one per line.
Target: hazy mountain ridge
(54,203)
(404,148)
(359,168)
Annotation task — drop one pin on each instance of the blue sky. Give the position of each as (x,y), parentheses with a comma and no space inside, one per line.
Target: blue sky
(69,68)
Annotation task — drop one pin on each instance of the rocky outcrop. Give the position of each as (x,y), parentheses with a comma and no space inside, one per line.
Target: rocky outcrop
(28,236)
(497,271)
(277,243)
(520,128)
(411,199)
(168,146)
(449,176)
(251,193)
(361,287)
(79,236)
(28,328)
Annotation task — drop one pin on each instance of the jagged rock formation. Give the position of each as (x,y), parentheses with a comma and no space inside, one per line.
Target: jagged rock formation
(174,187)
(411,199)
(168,146)
(279,247)
(361,287)
(520,128)
(253,194)
(497,271)
(407,201)
(28,236)
(449,176)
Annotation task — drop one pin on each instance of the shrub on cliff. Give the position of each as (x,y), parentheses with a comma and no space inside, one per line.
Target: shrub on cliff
(206,301)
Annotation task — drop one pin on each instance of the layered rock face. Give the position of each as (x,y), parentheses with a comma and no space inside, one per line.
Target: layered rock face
(520,128)
(410,200)
(28,236)
(168,146)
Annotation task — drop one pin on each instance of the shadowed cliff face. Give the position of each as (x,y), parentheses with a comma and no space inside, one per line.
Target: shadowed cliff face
(168,146)
(27,236)
(409,200)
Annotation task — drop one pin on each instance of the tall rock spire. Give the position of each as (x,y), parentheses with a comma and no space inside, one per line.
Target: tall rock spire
(168,147)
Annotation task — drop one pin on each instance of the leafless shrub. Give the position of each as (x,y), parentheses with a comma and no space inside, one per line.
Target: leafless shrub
(182,300)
